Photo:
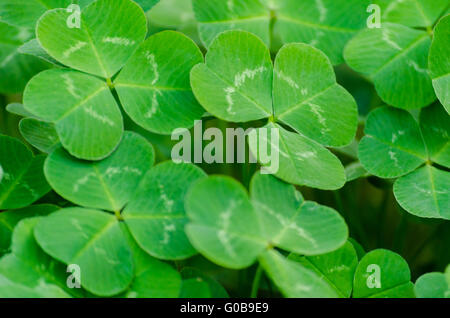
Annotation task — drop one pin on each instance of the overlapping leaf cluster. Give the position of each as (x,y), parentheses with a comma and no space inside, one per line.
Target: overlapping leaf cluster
(133,227)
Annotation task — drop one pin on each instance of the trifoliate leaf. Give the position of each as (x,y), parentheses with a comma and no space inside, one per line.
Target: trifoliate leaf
(21,177)
(412,13)
(307,98)
(16,68)
(27,264)
(395,58)
(392,145)
(295,225)
(382,274)
(100,46)
(235,83)
(293,279)
(302,161)
(439,62)
(336,268)
(40,134)
(94,241)
(425,192)
(9,219)
(155,215)
(324,24)
(216,16)
(432,285)
(153,278)
(107,184)
(225,228)
(155,94)
(81,104)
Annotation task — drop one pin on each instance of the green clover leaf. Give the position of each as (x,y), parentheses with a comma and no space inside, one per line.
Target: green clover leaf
(243,91)
(433,285)
(412,13)
(336,268)
(108,184)
(232,230)
(395,58)
(40,134)
(95,242)
(396,146)
(28,265)
(382,274)
(155,215)
(16,68)
(439,62)
(21,178)
(84,108)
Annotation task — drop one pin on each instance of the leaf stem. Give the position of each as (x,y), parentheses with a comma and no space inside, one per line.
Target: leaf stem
(256,281)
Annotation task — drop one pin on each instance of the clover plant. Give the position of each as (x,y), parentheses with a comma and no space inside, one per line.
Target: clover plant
(95,94)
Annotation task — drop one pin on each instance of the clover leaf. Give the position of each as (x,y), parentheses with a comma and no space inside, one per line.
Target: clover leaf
(9,220)
(85,108)
(233,230)
(243,91)
(324,24)
(293,279)
(21,178)
(336,268)
(28,265)
(412,13)
(396,146)
(439,62)
(16,68)
(40,134)
(395,58)
(9,289)
(382,274)
(158,97)
(216,16)
(94,241)
(108,184)
(155,214)
(433,285)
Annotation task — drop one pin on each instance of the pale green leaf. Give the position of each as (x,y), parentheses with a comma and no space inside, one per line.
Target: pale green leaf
(324,24)
(86,116)
(425,192)
(307,98)
(235,83)
(393,145)
(292,224)
(94,241)
(32,47)
(100,46)
(302,161)
(19,110)
(9,289)
(40,134)
(432,285)
(216,16)
(153,92)
(412,13)
(395,57)
(156,215)
(107,184)
(22,180)
(293,279)
(224,226)
(382,274)
(336,268)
